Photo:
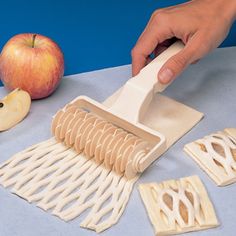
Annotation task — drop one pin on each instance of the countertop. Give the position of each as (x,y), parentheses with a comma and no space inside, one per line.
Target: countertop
(208,86)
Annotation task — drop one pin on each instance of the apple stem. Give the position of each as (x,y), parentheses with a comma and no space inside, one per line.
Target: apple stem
(33,40)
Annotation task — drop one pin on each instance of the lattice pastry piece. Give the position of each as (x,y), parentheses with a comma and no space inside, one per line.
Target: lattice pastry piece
(58,179)
(216,155)
(178,206)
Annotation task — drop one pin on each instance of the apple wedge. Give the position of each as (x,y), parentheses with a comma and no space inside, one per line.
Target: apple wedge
(13,108)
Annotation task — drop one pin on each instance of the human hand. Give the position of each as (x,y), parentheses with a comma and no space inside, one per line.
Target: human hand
(201,24)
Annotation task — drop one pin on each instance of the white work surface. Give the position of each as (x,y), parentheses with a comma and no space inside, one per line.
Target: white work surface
(208,86)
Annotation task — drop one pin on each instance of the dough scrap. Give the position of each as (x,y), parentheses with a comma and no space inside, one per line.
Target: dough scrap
(178,206)
(216,155)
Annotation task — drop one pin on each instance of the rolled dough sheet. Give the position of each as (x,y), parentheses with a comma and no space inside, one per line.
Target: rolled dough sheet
(167,116)
(178,206)
(216,155)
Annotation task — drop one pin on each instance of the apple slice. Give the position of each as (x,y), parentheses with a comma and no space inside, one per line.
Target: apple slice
(13,108)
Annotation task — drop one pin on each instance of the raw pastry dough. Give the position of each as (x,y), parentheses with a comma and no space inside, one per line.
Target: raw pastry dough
(178,206)
(167,116)
(216,155)
(56,176)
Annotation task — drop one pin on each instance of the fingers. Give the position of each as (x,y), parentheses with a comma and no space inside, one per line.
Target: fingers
(193,51)
(155,32)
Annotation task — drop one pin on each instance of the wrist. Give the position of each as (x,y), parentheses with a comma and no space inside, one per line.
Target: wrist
(234,9)
(230,8)
(226,9)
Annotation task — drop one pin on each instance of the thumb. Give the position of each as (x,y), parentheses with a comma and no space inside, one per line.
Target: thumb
(177,63)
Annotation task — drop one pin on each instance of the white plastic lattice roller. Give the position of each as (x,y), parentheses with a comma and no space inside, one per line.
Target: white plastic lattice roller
(115,136)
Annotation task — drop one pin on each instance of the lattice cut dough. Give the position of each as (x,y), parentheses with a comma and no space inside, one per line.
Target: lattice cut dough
(178,206)
(216,155)
(59,180)
(70,173)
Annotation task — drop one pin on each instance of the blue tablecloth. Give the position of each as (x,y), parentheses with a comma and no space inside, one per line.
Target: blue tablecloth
(208,86)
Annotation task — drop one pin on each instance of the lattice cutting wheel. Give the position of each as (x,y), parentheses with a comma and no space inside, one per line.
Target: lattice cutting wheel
(115,136)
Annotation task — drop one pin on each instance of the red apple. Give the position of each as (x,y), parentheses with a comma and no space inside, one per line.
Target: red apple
(33,63)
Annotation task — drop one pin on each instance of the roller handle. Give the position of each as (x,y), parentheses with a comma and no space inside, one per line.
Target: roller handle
(148,75)
(138,91)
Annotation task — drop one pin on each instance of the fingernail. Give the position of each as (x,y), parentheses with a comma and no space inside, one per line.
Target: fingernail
(166,76)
